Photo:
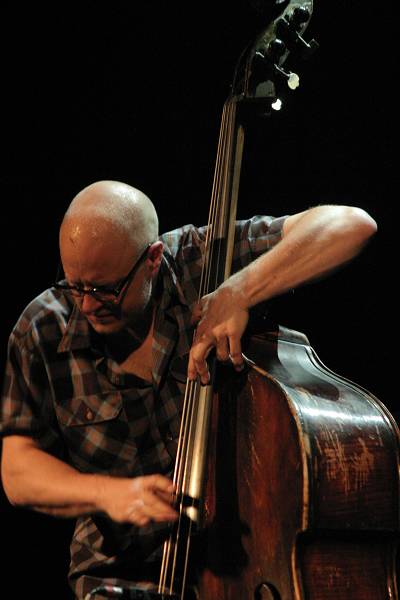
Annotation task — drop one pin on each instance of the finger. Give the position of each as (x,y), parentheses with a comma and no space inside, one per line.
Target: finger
(169,498)
(192,372)
(196,313)
(142,511)
(142,521)
(135,513)
(235,353)
(163,488)
(157,509)
(201,369)
(148,502)
(222,349)
(158,483)
(197,362)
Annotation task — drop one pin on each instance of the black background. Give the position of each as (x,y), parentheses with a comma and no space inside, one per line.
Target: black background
(133,91)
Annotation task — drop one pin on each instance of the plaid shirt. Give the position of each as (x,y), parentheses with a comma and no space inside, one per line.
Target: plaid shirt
(62,389)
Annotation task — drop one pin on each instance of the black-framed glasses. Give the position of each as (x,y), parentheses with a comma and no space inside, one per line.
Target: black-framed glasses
(100,292)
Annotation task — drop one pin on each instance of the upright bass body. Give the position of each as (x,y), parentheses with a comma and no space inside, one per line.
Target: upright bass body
(303,495)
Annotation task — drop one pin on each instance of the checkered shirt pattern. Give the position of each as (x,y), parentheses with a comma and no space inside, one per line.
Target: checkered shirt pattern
(62,389)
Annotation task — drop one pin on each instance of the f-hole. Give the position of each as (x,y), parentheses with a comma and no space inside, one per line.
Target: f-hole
(266,591)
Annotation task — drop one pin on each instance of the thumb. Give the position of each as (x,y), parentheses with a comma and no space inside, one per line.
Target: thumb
(196,313)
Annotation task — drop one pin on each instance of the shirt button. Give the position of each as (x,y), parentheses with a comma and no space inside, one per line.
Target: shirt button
(89,415)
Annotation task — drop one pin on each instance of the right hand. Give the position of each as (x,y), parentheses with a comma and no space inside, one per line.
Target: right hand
(138,500)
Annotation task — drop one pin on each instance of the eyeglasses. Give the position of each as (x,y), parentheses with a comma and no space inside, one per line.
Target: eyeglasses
(100,292)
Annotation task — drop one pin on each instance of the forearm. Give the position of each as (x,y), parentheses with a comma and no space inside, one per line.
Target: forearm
(64,512)
(37,480)
(314,243)
(319,241)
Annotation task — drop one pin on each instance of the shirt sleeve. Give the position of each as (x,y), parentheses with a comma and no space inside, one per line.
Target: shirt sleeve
(24,407)
(187,245)
(254,237)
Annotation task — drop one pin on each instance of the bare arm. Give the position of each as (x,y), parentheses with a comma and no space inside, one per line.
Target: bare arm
(35,479)
(314,243)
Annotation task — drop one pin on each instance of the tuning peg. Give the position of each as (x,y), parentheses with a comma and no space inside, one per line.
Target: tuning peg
(308,48)
(292,79)
(272,53)
(269,58)
(287,31)
(275,49)
(299,16)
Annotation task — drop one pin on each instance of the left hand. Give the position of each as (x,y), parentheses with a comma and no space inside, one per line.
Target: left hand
(222,318)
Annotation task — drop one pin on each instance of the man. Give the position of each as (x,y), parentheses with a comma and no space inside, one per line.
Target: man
(97,365)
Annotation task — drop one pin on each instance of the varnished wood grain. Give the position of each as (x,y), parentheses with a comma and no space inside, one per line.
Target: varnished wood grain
(303,498)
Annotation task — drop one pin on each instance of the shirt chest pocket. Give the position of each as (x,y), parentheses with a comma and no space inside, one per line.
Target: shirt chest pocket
(96,434)
(90,409)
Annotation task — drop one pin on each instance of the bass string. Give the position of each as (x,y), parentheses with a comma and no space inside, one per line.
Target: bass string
(171,546)
(180,536)
(213,226)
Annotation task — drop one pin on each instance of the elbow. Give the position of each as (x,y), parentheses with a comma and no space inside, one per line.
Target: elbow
(363,224)
(11,484)
(10,494)
(356,224)
(14,495)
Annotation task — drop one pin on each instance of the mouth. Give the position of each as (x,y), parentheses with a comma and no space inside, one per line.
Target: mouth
(101,318)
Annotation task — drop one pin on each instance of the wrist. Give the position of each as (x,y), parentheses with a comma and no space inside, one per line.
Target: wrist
(97,491)
(238,289)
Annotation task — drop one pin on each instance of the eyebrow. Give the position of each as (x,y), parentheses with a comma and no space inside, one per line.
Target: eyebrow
(114,284)
(93,284)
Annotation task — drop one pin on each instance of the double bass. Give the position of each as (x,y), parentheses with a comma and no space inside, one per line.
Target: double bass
(287,474)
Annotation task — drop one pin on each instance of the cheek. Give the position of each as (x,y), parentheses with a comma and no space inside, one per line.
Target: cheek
(137,298)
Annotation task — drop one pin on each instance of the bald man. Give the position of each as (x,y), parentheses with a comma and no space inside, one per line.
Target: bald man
(97,363)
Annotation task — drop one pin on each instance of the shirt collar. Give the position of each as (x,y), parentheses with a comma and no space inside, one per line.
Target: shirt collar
(171,292)
(77,333)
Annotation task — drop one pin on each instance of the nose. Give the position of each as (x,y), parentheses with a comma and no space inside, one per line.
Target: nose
(89,304)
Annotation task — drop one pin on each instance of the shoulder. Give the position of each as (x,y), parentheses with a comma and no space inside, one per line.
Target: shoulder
(186,240)
(254,237)
(260,226)
(190,239)
(44,318)
(184,250)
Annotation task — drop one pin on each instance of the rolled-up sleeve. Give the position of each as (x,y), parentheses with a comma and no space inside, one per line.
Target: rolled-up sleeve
(254,237)
(24,407)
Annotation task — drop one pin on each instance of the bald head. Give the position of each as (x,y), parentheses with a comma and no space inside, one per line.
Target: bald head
(110,212)
(108,227)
